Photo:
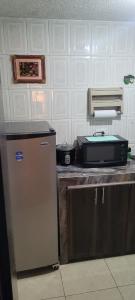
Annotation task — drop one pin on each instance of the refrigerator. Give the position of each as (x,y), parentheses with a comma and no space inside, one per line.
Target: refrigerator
(31,172)
(8,278)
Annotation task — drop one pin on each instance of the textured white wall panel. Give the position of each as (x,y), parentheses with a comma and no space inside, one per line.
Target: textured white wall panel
(129,101)
(41,102)
(15,41)
(60,72)
(131,129)
(6,105)
(1,38)
(101,39)
(80,127)
(119,127)
(37,33)
(79,71)
(125,101)
(100,72)
(80,38)
(121,39)
(78,104)
(63,131)
(3,71)
(59,37)
(61,108)
(119,68)
(20,104)
(99,125)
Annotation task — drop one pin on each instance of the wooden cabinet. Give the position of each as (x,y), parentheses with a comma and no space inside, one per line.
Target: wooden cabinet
(115,215)
(130,242)
(81,223)
(97,221)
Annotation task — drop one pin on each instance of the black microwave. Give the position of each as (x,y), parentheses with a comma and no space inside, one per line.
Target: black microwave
(101,151)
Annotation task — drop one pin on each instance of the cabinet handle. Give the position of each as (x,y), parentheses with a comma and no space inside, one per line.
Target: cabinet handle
(44,143)
(103,196)
(95,197)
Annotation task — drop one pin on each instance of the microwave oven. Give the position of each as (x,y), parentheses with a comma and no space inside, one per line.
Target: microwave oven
(101,151)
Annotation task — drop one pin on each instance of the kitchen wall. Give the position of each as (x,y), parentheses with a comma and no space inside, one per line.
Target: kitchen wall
(79,54)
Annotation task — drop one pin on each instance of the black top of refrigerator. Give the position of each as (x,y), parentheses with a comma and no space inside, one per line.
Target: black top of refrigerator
(25,130)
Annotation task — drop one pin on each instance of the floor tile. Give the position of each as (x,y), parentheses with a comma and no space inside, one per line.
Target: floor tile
(59,298)
(86,276)
(123,269)
(40,287)
(128,292)
(111,294)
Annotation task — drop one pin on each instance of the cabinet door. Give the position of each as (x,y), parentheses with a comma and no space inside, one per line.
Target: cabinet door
(130,247)
(82,206)
(115,211)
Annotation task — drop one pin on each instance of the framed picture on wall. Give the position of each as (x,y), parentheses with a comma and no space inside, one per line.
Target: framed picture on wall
(28,68)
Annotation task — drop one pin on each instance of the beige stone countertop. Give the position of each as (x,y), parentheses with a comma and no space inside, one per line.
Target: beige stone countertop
(123,173)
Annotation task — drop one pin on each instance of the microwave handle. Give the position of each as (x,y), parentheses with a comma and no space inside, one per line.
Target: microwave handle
(98,133)
(95,197)
(103,196)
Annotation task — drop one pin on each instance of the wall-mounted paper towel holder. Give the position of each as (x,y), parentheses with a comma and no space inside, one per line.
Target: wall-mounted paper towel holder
(105,102)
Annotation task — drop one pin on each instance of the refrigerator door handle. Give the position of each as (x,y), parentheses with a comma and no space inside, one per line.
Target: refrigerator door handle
(44,143)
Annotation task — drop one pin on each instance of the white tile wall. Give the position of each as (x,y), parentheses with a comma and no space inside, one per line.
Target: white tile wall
(37,36)
(61,105)
(6,105)
(1,38)
(80,38)
(120,67)
(101,39)
(59,37)
(101,73)
(79,54)
(63,130)
(41,102)
(59,72)
(20,104)
(99,125)
(131,129)
(119,127)
(80,127)
(121,39)
(79,71)
(15,41)
(129,103)
(3,71)
(78,104)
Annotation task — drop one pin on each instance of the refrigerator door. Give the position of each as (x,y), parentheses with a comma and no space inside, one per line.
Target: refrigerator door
(32,183)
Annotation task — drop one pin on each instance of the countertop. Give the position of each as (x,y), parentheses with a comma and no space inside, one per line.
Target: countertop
(98,175)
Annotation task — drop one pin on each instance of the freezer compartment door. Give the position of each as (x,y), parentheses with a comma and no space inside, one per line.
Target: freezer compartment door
(32,182)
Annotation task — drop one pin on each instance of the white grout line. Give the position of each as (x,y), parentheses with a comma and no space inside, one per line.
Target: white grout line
(110,272)
(113,279)
(128,284)
(121,294)
(59,297)
(90,292)
(62,283)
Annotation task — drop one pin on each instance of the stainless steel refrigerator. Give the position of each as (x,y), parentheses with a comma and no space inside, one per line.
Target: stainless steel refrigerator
(31,160)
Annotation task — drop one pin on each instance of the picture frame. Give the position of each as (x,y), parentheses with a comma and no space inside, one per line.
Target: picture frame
(28,68)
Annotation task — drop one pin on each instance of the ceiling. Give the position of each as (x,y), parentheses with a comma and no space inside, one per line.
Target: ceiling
(113,10)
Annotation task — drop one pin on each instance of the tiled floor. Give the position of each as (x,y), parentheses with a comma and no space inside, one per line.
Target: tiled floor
(103,279)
